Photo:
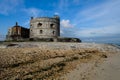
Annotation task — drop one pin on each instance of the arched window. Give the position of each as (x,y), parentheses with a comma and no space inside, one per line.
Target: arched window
(39,25)
(41,31)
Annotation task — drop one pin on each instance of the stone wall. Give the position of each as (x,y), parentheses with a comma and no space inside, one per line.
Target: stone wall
(45,27)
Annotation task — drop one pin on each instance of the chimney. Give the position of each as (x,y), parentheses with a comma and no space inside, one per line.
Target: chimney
(16,23)
(31,18)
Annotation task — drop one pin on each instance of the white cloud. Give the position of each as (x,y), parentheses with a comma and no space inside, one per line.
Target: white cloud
(98,31)
(101,20)
(66,24)
(33,11)
(102,11)
(61,32)
(63,4)
(56,13)
(9,6)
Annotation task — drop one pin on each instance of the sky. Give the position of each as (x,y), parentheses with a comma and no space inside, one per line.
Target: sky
(89,20)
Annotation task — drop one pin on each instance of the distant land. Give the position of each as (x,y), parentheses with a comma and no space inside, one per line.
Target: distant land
(88,40)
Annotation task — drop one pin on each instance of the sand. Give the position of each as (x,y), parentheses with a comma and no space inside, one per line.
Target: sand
(108,70)
(104,69)
(59,61)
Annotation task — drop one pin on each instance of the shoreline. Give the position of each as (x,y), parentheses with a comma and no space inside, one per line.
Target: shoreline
(60,61)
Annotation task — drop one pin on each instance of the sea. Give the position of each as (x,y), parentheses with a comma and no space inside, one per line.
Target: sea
(113,44)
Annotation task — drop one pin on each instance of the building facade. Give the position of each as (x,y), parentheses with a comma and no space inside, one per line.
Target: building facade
(17,33)
(45,27)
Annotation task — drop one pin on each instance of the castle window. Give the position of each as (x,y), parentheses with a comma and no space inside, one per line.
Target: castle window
(39,24)
(41,31)
(53,32)
(52,25)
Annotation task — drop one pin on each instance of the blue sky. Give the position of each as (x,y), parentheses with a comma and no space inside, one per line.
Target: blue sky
(90,20)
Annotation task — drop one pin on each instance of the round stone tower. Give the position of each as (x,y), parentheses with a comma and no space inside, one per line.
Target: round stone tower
(45,27)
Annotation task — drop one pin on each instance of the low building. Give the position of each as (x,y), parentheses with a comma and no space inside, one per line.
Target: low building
(17,33)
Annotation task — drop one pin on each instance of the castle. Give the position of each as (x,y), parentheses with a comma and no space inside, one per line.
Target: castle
(45,27)
(41,29)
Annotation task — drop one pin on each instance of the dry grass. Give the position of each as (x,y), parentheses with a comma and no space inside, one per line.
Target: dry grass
(41,64)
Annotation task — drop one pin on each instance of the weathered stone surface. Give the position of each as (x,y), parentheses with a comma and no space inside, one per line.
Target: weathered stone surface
(45,27)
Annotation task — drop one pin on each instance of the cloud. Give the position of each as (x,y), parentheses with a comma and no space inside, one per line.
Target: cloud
(63,4)
(9,6)
(66,24)
(102,11)
(61,32)
(99,20)
(97,31)
(67,28)
(32,11)
(56,13)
